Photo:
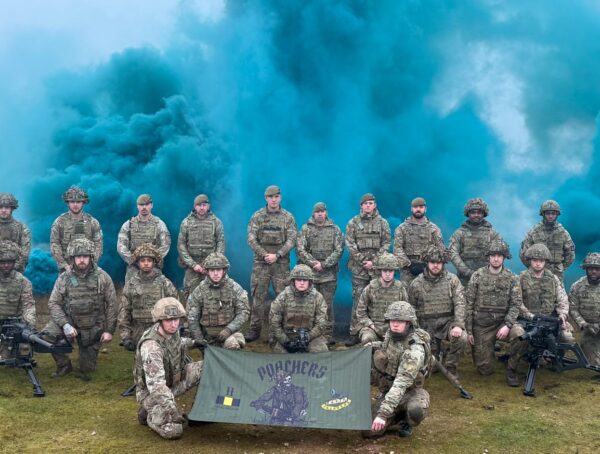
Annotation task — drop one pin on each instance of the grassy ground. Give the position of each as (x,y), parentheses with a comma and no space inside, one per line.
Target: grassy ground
(93,417)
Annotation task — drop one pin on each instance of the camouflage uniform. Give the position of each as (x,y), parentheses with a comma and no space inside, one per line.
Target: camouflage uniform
(367,237)
(470,242)
(15,231)
(323,243)
(557,240)
(87,302)
(269,233)
(198,237)
(585,310)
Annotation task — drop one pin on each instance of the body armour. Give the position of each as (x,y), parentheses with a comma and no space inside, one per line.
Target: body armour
(469,246)
(18,233)
(66,229)
(323,243)
(11,289)
(83,301)
(540,296)
(557,240)
(411,240)
(198,237)
(585,302)
(366,238)
(271,233)
(143,293)
(141,232)
(377,298)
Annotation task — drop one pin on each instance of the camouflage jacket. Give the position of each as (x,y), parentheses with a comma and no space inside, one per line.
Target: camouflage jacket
(153,231)
(323,243)
(222,305)
(493,298)
(558,241)
(542,296)
(18,233)
(584,299)
(271,233)
(16,298)
(412,238)
(198,237)
(293,310)
(469,246)
(367,237)
(374,300)
(66,228)
(84,300)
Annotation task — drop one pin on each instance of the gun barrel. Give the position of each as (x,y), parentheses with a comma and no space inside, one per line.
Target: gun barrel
(35,339)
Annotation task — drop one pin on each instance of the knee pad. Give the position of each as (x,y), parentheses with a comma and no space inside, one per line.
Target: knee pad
(414,414)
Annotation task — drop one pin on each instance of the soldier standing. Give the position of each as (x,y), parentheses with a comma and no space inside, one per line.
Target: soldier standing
(376,297)
(554,236)
(585,307)
(271,235)
(412,237)
(368,236)
(470,243)
(74,224)
(298,307)
(493,302)
(140,229)
(218,307)
(162,372)
(142,290)
(13,230)
(401,363)
(82,307)
(201,233)
(320,246)
(438,297)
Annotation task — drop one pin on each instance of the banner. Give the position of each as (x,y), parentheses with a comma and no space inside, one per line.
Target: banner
(319,390)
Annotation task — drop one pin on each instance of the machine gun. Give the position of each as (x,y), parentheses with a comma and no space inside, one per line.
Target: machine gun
(300,343)
(542,334)
(21,341)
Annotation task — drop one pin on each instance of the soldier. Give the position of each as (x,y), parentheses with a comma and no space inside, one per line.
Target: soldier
(298,307)
(140,229)
(554,236)
(543,294)
(412,237)
(401,363)
(493,302)
(162,372)
(376,297)
(585,307)
(72,225)
(201,233)
(271,235)
(218,307)
(16,297)
(142,290)
(13,230)
(470,243)
(438,297)
(320,246)
(82,307)
(368,236)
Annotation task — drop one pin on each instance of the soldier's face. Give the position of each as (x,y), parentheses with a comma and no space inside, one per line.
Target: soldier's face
(145,209)
(216,274)
(475,216)
(320,216)
(202,208)
(5,212)
(398,326)
(538,264)
(593,272)
(368,206)
(273,201)
(170,326)
(550,215)
(387,275)
(301,284)
(82,262)
(496,260)
(7,266)
(419,211)
(435,268)
(75,207)
(146,264)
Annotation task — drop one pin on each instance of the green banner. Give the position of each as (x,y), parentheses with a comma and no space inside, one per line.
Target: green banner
(320,390)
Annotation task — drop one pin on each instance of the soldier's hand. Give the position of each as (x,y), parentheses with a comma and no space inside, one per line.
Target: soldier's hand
(128,345)
(317,266)
(378,424)
(198,269)
(456,331)
(367,264)
(471,339)
(105,338)
(563,320)
(270,258)
(224,334)
(68,267)
(69,331)
(503,333)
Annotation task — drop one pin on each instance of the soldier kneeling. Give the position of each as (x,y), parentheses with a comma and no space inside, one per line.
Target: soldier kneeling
(400,365)
(162,370)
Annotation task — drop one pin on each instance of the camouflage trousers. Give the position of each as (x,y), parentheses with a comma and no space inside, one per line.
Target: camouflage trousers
(590,344)
(163,416)
(191,280)
(443,344)
(358,285)
(518,347)
(367,335)
(484,356)
(88,341)
(316,345)
(327,289)
(276,274)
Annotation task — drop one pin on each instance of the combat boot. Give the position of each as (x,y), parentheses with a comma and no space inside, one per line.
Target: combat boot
(252,336)
(63,370)
(143,416)
(511,377)
(352,340)
(405,430)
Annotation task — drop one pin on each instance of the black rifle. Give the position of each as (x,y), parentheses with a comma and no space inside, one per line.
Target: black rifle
(542,333)
(299,344)
(21,341)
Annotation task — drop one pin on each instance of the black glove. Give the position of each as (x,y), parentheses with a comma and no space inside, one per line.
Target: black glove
(128,345)
(416,268)
(289,346)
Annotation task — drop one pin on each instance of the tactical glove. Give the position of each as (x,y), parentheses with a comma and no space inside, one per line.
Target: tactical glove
(128,345)
(224,334)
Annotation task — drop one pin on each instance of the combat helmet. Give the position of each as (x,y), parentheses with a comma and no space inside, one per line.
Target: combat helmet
(499,247)
(216,261)
(302,272)
(435,253)
(386,261)
(591,260)
(147,250)
(549,205)
(538,251)
(476,204)
(401,310)
(8,200)
(80,246)
(167,309)
(9,251)
(75,194)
